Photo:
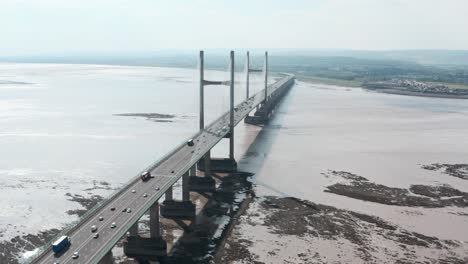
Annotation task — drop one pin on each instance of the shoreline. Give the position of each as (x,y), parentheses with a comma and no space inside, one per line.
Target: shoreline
(411,93)
(385,90)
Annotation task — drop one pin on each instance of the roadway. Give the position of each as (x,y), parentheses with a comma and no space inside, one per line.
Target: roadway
(139,196)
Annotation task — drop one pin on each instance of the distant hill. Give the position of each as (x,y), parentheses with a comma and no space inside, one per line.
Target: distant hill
(439,66)
(428,57)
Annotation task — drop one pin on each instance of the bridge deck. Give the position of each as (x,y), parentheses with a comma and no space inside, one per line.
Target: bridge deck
(167,171)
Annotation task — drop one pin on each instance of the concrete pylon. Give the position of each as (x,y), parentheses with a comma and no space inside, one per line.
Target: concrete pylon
(265,69)
(179,209)
(168,194)
(185,187)
(206,183)
(193,170)
(107,259)
(134,229)
(207,164)
(231,109)
(154,220)
(247,75)
(202,89)
(148,248)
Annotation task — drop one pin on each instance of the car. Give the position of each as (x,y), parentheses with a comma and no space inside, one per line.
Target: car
(145,195)
(157,188)
(101,218)
(129,210)
(93,228)
(75,255)
(190,143)
(146,175)
(113,225)
(124,210)
(112,208)
(133,191)
(96,236)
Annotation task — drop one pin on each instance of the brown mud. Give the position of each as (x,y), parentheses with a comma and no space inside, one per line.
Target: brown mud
(455,170)
(361,188)
(290,217)
(156,117)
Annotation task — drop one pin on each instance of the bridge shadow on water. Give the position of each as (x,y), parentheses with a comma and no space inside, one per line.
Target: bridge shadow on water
(204,235)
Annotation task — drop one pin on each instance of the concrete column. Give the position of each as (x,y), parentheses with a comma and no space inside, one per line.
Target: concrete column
(265,69)
(169,194)
(134,230)
(207,161)
(107,259)
(231,110)
(247,77)
(185,187)
(193,170)
(154,220)
(202,77)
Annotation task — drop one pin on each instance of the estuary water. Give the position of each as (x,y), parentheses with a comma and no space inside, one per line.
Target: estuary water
(60,137)
(382,137)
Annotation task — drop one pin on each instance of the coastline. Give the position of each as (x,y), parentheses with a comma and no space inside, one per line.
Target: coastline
(351,84)
(410,93)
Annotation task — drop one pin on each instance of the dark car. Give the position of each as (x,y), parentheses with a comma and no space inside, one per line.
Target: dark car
(145,176)
(190,143)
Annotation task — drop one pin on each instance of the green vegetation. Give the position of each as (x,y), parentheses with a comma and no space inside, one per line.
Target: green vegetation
(453,86)
(353,71)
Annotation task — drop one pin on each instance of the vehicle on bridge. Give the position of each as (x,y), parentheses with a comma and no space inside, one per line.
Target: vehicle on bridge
(61,244)
(190,143)
(145,176)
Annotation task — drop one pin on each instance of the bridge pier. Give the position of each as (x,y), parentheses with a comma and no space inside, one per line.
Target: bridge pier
(148,248)
(107,259)
(179,209)
(134,230)
(155,228)
(203,183)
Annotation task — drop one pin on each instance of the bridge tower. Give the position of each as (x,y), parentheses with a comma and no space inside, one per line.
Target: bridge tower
(208,164)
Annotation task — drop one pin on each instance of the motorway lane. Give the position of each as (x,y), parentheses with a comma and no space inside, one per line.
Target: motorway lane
(166,173)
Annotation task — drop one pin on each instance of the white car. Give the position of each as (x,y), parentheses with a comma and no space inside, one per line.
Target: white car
(93,228)
(75,255)
(113,225)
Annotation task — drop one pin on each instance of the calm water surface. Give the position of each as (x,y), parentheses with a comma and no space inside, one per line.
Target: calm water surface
(59,135)
(385,138)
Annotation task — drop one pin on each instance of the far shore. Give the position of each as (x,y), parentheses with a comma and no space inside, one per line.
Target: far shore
(387,90)
(411,93)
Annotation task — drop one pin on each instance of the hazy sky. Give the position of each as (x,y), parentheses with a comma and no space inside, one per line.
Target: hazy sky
(77,26)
